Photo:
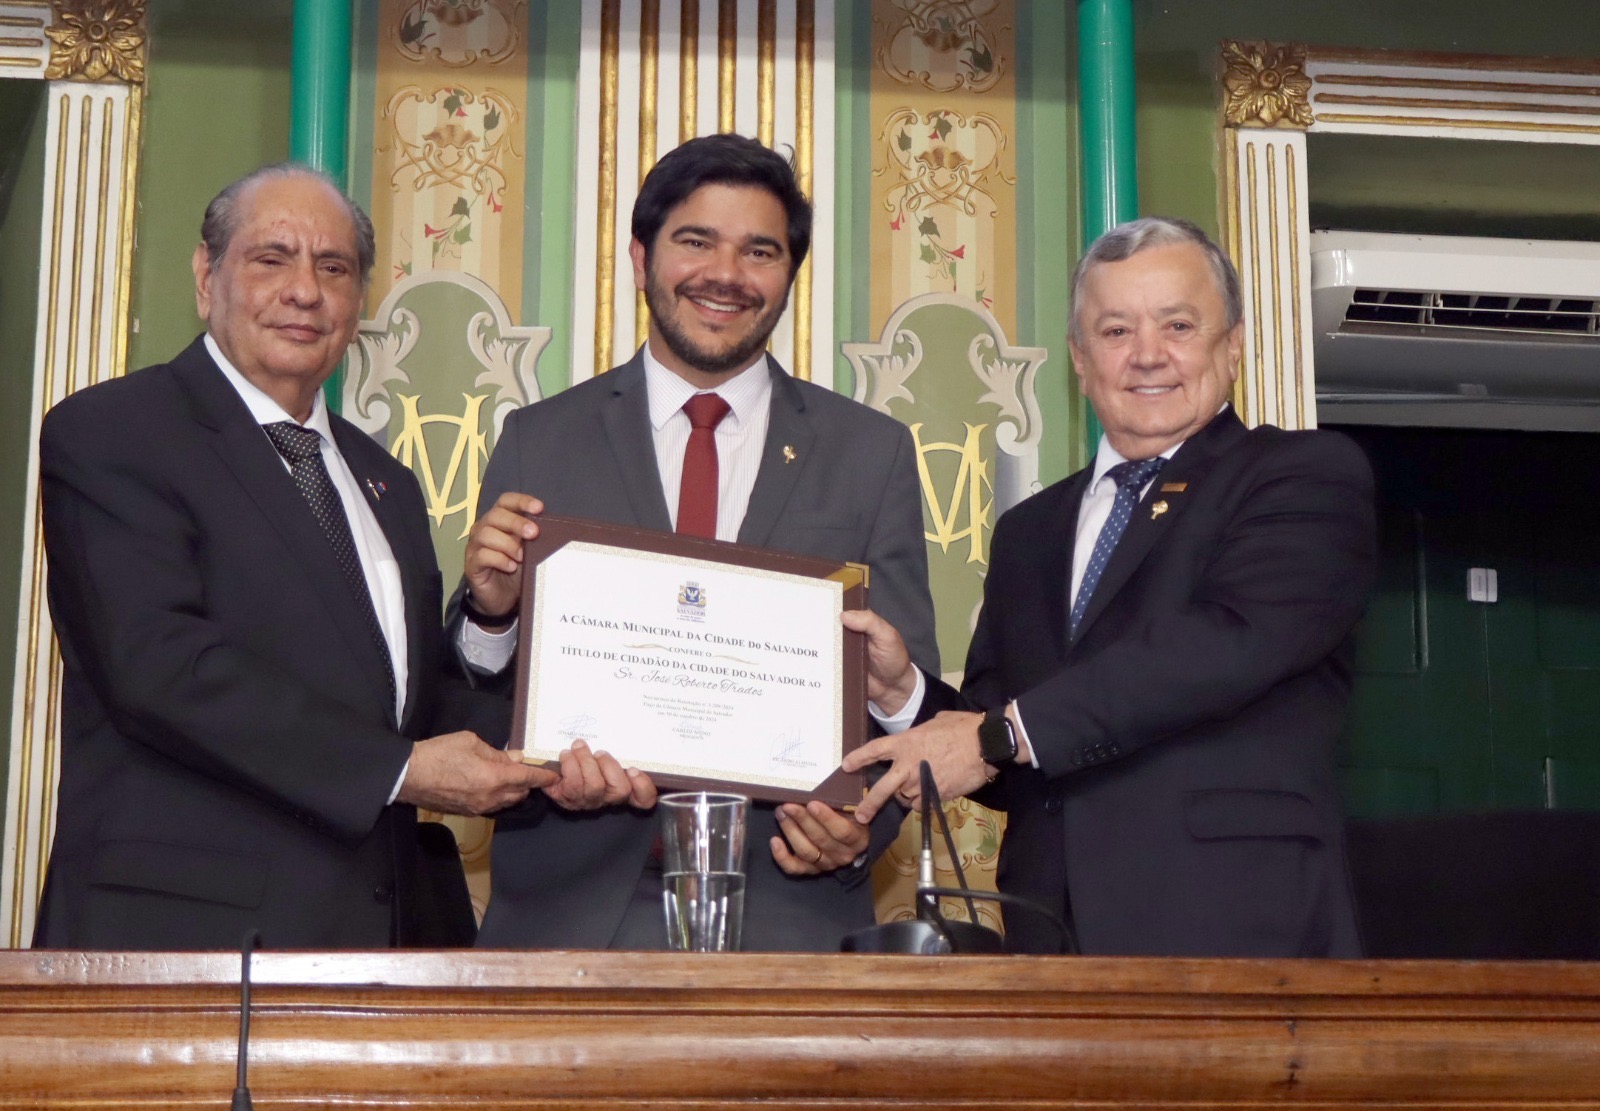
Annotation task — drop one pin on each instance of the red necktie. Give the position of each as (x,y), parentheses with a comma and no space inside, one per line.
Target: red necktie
(697,495)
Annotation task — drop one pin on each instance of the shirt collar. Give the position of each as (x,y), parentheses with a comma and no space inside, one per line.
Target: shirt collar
(262,408)
(1107,456)
(746,393)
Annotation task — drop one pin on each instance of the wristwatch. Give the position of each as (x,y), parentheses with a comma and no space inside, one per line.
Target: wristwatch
(997,738)
(483,620)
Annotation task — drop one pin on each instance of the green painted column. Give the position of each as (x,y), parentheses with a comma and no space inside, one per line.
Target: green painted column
(1107,138)
(319,123)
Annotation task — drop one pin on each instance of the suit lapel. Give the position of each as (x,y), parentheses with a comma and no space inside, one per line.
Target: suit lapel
(626,419)
(1053,557)
(1160,509)
(247,453)
(784,458)
(358,450)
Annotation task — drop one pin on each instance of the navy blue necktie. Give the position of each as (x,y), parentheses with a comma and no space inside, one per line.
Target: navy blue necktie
(1130,478)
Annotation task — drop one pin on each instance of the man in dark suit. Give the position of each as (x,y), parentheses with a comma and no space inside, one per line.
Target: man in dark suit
(1159,674)
(719,229)
(248,609)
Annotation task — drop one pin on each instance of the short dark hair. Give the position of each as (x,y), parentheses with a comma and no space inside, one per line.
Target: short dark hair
(723,159)
(221,220)
(1126,240)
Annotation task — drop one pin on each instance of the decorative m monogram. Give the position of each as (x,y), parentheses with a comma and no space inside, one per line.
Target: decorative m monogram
(963,514)
(464,469)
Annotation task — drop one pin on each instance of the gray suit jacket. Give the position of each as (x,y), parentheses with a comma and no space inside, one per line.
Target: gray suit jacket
(564,880)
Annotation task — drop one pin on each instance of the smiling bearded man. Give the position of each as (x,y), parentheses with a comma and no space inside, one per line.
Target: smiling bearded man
(719,229)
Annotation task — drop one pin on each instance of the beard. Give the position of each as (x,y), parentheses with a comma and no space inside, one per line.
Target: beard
(739,352)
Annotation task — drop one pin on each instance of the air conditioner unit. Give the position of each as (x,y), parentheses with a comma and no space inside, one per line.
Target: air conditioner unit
(1426,329)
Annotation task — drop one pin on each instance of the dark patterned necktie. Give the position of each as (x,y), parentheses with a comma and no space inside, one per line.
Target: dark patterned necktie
(1130,478)
(302,447)
(697,492)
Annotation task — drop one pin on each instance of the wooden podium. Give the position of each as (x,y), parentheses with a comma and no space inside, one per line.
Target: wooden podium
(624,1030)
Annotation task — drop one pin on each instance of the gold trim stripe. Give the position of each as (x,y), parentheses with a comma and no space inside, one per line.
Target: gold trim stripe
(1458,105)
(689,70)
(22,44)
(1381,81)
(1453,121)
(23,63)
(85,121)
(1258,407)
(22,21)
(649,69)
(1276,275)
(131,136)
(1232,225)
(766,69)
(605,220)
(805,48)
(1306,395)
(727,61)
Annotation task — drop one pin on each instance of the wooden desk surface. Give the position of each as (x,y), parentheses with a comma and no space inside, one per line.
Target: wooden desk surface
(617,1030)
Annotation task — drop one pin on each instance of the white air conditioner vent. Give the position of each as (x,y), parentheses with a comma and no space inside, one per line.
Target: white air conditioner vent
(1423,329)
(1486,312)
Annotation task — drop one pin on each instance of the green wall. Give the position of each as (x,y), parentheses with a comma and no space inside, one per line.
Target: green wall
(217,107)
(22,117)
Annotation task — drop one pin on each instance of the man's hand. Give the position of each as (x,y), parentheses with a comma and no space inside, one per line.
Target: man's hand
(457,773)
(891,679)
(949,743)
(493,563)
(819,839)
(590,780)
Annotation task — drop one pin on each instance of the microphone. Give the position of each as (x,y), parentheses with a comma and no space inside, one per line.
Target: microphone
(931,933)
(241,1091)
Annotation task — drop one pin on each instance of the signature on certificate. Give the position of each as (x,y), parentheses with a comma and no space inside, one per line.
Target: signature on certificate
(788,749)
(579,727)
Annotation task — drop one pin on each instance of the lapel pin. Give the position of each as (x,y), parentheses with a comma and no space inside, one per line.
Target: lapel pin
(378,489)
(1158,509)
(1174,487)
(789,455)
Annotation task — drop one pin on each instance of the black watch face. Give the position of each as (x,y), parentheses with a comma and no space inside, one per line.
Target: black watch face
(994,740)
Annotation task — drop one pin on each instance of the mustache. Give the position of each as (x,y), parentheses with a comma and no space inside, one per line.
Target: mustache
(725,294)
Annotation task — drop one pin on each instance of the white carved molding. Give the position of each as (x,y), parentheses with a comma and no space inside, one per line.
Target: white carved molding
(85,260)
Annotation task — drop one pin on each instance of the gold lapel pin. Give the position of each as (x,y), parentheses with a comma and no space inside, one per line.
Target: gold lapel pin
(1158,509)
(788,454)
(1174,487)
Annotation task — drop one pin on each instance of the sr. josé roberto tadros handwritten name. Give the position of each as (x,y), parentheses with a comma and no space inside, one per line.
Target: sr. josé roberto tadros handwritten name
(672,664)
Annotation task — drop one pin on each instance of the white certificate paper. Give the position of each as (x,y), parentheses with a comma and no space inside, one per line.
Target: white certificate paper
(687,667)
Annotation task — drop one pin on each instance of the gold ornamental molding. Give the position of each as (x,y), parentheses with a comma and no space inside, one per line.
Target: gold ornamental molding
(1266,85)
(97,40)
(1274,95)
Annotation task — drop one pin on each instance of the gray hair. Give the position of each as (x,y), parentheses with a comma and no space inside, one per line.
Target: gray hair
(1126,240)
(222,214)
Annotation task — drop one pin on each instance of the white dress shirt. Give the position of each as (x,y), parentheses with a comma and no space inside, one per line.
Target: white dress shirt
(741,438)
(372,546)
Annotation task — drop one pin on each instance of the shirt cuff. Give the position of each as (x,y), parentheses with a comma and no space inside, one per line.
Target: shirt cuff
(399,783)
(899,723)
(1022,731)
(485,651)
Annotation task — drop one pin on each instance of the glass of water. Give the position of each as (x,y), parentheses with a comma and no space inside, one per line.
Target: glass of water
(702,861)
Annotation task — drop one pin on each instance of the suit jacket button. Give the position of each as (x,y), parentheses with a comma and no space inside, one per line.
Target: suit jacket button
(382,893)
(1052,806)
(1077,759)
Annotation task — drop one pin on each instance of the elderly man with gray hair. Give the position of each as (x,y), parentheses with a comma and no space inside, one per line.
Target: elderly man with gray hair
(249,612)
(1159,675)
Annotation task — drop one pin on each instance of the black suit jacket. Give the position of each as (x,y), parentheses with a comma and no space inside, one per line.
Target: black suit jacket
(564,880)
(228,739)
(1185,801)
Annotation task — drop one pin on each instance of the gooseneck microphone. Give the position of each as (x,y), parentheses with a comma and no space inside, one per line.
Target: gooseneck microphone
(241,1090)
